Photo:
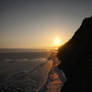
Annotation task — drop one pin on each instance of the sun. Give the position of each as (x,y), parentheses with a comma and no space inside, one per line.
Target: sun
(57,41)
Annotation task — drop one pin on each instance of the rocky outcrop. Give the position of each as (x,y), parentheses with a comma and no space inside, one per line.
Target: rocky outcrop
(76,59)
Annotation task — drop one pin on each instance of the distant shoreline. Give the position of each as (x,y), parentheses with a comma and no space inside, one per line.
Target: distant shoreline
(21,50)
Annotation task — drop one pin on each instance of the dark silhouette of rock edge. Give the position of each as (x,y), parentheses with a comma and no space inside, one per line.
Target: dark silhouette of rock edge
(76,59)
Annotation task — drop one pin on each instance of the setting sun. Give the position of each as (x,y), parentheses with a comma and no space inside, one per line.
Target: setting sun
(57,41)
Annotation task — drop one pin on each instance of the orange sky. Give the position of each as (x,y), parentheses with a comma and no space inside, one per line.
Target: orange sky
(36,24)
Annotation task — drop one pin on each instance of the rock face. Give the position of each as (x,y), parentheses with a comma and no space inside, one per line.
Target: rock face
(76,59)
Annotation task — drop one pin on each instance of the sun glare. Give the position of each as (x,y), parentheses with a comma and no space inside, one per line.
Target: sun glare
(57,41)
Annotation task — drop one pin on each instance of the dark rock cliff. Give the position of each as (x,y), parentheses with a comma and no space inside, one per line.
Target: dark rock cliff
(76,59)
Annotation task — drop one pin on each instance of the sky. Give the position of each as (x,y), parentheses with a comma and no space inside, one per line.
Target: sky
(36,23)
